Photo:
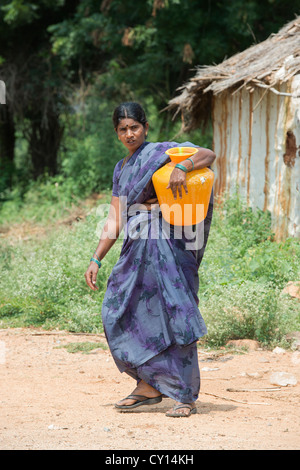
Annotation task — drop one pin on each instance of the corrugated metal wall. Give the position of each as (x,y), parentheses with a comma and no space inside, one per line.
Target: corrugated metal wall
(257,143)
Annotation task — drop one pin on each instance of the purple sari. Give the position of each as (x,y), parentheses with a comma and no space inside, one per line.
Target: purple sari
(150,310)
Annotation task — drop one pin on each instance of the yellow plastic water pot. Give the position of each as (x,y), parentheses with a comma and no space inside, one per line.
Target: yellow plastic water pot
(193,206)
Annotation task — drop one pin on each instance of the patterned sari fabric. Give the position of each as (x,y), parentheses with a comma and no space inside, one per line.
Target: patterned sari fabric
(150,310)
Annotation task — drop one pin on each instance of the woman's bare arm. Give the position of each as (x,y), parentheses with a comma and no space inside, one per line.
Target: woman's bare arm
(109,235)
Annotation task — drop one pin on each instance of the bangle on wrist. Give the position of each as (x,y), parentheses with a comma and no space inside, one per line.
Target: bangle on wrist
(96,256)
(96,261)
(192,162)
(181,167)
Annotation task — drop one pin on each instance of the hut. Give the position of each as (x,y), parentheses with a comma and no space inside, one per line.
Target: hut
(253,99)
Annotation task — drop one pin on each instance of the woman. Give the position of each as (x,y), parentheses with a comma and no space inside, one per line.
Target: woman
(150,310)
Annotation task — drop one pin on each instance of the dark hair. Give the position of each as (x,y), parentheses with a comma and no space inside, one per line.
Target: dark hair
(129,110)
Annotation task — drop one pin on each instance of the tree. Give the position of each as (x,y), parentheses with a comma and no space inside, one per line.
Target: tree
(127,49)
(7,147)
(149,48)
(35,80)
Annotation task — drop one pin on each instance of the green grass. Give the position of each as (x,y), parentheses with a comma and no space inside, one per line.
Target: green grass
(84,347)
(241,277)
(42,281)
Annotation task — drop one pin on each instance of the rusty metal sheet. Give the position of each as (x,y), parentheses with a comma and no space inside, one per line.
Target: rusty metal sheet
(257,143)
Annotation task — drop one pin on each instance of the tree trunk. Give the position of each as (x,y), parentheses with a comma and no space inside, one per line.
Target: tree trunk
(44,142)
(7,147)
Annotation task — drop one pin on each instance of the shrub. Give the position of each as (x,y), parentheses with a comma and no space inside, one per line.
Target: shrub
(241,277)
(249,311)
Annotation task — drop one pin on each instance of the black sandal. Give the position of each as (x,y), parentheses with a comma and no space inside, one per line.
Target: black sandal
(140,400)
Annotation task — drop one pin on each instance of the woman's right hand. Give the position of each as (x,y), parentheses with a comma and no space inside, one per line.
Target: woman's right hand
(91,275)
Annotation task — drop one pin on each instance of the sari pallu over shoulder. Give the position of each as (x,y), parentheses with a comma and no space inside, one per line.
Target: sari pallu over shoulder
(151,299)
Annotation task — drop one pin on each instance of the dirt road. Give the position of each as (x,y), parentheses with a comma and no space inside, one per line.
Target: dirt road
(53,399)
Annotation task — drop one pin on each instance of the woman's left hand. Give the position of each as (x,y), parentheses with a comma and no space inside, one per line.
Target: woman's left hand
(177,180)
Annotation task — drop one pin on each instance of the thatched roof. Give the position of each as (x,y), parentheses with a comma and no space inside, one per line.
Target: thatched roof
(265,65)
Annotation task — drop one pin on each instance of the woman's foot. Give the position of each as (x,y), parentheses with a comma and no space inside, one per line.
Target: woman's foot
(182,410)
(143,389)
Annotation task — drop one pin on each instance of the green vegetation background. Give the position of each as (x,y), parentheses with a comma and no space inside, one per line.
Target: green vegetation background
(94,55)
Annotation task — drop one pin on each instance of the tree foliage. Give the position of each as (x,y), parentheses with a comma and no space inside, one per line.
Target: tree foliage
(36,81)
(153,45)
(124,49)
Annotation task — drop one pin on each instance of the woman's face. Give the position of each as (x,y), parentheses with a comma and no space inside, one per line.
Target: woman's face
(132,133)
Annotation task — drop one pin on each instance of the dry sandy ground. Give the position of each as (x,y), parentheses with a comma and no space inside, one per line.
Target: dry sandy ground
(56,400)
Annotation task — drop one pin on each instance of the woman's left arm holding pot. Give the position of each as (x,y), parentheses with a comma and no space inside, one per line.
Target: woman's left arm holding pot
(201,159)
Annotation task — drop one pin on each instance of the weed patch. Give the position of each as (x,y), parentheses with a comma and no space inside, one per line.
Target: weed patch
(242,276)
